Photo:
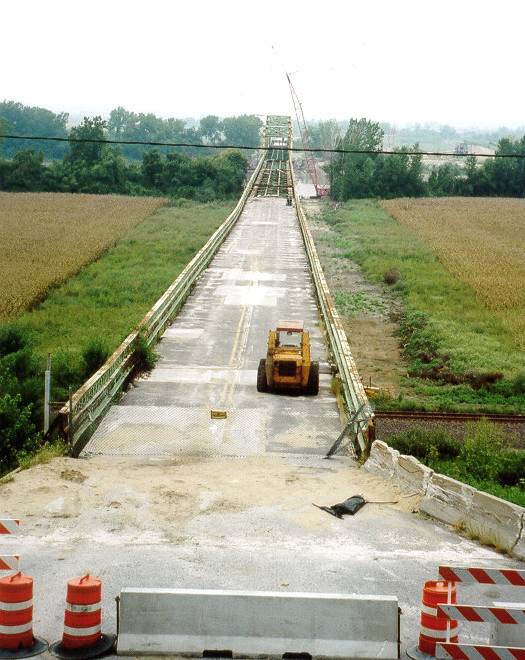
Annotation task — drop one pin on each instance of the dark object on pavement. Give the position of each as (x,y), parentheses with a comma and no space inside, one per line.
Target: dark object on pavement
(350,506)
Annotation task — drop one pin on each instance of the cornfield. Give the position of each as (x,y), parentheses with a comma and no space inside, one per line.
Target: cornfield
(479,240)
(46,238)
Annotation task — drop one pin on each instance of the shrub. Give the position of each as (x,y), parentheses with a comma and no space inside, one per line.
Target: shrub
(481,454)
(420,340)
(425,443)
(12,340)
(66,374)
(20,364)
(145,357)
(94,356)
(17,431)
(518,384)
(391,276)
(511,471)
(484,380)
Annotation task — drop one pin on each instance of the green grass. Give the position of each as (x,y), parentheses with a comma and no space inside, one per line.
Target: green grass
(110,296)
(462,333)
(350,303)
(43,455)
(514,494)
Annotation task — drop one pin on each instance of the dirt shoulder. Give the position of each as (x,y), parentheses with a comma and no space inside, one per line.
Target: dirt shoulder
(365,309)
(79,499)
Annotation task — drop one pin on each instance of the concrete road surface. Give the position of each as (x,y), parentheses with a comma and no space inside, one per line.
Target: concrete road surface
(165,496)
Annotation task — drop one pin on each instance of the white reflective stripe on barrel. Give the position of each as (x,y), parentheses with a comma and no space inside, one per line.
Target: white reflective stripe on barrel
(437,634)
(429,610)
(82,632)
(72,607)
(15,607)
(15,630)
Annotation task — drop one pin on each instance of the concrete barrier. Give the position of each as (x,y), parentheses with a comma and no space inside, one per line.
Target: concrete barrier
(490,519)
(382,460)
(248,623)
(495,521)
(412,475)
(447,500)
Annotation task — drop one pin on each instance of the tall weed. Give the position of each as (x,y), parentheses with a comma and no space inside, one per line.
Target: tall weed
(481,453)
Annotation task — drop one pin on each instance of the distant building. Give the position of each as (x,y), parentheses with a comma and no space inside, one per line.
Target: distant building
(462,149)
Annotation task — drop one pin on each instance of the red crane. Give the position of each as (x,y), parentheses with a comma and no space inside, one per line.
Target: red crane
(311,166)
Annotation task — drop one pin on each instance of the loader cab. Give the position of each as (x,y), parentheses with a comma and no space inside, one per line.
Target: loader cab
(289,338)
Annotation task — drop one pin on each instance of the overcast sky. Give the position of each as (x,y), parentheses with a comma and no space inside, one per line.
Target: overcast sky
(458,62)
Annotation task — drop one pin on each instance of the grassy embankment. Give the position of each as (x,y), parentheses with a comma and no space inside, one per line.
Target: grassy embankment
(461,352)
(107,298)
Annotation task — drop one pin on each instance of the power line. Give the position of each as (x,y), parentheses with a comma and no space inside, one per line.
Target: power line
(258,148)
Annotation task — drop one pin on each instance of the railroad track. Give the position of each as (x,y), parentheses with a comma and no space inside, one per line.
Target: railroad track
(390,423)
(501,418)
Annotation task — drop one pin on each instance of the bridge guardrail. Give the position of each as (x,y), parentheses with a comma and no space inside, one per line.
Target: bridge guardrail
(353,391)
(86,407)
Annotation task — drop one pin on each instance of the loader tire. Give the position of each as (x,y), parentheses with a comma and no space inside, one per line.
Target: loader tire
(262,384)
(313,379)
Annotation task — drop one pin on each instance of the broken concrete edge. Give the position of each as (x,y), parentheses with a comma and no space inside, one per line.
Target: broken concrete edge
(480,516)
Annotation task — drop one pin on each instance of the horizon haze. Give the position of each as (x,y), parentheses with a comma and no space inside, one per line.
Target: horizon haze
(402,63)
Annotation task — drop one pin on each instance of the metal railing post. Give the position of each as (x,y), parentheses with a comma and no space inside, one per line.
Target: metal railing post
(70,419)
(47,394)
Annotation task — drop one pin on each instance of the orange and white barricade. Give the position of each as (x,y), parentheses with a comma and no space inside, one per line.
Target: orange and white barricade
(83,637)
(9,526)
(513,614)
(16,618)
(505,576)
(480,652)
(9,563)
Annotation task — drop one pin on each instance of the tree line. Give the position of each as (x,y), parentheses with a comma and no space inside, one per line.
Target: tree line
(19,119)
(431,137)
(102,168)
(404,174)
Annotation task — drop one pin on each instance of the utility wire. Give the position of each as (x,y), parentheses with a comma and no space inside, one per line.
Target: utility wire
(316,150)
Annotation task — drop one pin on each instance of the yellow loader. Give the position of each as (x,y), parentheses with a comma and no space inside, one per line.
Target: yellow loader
(288,364)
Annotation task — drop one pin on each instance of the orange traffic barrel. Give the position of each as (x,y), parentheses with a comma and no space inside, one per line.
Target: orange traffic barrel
(433,629)
(83,637)
(16,618)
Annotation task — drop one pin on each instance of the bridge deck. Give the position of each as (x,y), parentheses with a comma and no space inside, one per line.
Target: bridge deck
(209,356)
